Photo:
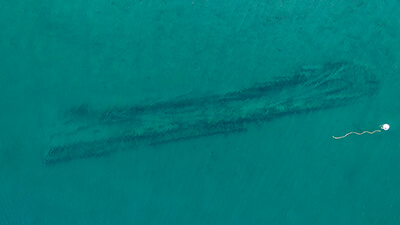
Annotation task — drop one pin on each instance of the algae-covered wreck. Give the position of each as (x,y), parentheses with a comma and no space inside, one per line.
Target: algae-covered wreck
(87,132)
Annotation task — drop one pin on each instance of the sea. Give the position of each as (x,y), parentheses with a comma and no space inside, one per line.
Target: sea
(58,55)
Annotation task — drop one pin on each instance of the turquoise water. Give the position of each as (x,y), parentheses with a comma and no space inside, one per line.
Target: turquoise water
(57,55)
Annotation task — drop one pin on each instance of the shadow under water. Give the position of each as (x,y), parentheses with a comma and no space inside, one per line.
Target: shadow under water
(86,132)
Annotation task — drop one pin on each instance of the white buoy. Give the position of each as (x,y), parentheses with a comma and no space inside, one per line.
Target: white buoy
(385,126)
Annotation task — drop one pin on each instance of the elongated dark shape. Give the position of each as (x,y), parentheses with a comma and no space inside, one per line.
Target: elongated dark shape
(87,132)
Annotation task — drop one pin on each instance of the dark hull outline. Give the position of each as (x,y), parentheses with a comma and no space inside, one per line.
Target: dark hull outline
(90,133)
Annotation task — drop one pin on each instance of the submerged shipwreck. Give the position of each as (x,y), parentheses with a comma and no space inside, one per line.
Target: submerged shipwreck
(85,132)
